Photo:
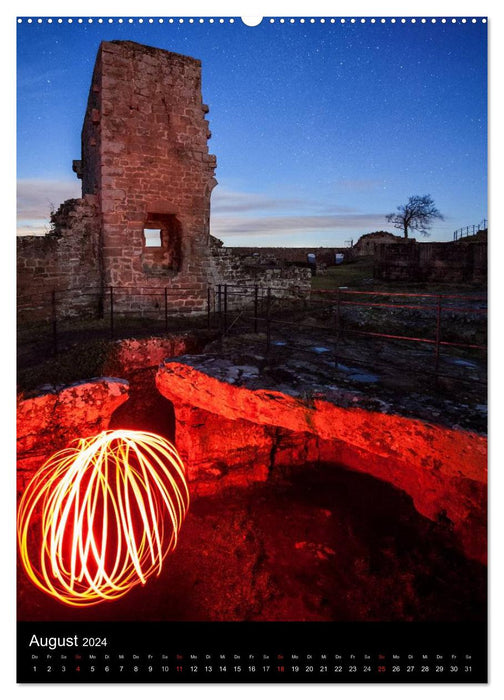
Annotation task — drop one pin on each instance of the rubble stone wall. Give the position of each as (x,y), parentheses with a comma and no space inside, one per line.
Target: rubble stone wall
(323,256)
(66,261)
(443,470)
(432,262)
(50,421)
(368,243)
(266,272)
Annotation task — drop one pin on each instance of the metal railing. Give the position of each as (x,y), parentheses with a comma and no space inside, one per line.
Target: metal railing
(427,319)
(48,323)
(267,314)
(470,230)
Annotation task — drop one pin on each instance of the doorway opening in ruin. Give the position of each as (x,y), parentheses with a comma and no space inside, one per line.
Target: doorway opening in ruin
(162,245)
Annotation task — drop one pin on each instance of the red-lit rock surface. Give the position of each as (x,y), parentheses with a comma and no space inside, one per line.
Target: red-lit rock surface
(309,540)
(131,354)
(48,422)
(317,544)
(56,415)
(229,433)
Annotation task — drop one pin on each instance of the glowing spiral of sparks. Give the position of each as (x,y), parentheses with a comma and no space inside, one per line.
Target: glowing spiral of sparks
(100,517)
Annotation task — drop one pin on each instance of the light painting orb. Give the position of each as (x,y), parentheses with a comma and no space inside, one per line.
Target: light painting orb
(100,516)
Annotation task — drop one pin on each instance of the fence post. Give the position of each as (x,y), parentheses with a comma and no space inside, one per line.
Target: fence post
(438,336)
(268,319)
(111,290)
(225,308)
(101,303)
(166,309)
(340,325)
(219,305)
(256,306)
(54,322)
(209,303)
(338,329)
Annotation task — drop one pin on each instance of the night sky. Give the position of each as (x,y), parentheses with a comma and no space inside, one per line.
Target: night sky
(320,129)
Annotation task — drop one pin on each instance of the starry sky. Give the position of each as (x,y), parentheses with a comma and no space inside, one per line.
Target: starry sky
(320,129)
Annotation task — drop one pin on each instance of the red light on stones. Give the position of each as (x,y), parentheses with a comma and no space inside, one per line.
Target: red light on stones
(100,517)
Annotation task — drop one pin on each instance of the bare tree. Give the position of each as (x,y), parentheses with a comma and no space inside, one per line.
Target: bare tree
(418,215)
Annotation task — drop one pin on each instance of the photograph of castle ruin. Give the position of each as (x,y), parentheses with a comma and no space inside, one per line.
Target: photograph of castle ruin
(312,340)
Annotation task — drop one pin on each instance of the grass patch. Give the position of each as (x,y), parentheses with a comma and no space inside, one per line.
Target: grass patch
(358,274)
(353,274)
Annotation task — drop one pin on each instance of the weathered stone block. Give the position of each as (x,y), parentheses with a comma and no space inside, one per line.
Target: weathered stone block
(443,470)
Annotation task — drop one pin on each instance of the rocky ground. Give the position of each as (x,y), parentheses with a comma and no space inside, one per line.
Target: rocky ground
(310,545)
(377,374)
(314,542)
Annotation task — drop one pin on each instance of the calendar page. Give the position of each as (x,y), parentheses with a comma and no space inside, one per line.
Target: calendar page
(251,345)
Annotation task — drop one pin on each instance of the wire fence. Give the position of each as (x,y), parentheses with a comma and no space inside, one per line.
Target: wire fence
(438,323)
(470,230)
(50,323)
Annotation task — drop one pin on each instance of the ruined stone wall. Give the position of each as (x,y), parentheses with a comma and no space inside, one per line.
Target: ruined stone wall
(444,470)
(66,261)
(91,146)
(453,263)
(231,268)
(144,151)
(368,244)
(479,254)
(324,256)
(432,262)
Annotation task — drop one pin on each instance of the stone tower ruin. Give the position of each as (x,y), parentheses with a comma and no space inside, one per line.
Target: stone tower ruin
(140,231)
(145,157)
(142,224)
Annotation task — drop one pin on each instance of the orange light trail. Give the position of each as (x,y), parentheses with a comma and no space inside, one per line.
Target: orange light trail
(100,517)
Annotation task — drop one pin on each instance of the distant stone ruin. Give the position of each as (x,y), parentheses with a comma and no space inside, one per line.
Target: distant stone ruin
(369,242)
(463,261)
(147,176)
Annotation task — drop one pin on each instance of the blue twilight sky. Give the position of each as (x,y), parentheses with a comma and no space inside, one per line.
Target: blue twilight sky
(320,129)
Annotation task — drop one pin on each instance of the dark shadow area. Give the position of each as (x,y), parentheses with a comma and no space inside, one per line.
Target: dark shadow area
(146,409)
